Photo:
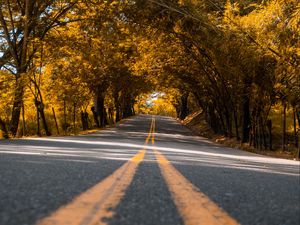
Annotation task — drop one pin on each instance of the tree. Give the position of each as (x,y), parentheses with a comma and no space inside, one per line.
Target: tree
(22,24)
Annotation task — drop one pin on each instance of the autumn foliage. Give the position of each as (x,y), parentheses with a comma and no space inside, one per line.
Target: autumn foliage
(73,65)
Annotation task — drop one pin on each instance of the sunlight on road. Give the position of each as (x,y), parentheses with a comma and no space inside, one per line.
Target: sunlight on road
(124,151)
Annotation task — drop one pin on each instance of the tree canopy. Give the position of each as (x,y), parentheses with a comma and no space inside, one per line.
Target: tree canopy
(80,64)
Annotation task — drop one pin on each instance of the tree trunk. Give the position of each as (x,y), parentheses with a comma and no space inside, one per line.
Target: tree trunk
(95,116)
(177,108)
(83,120)
(17,105)
(256,139)
(246,119)
(21,69)
(40,107)
(298,118)
(3,128)
(212,120)
(101,111)
(111,115)
(132,109)
(23,120)
(86,118)
(117,106)
(74,118)
(284,126)
(222,128)
(295,128)
(127,111)
(183,112)
(269,125)
(236,125)
(44,121)
(228,124)
(38,130)
(118,118)
(56,125)
(65,117)
(259,134)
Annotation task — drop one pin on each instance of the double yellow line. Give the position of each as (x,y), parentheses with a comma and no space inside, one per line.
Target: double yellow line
(96,205)
(151,133)
(194,206)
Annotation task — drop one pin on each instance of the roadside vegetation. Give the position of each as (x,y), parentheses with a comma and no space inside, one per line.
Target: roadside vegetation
(74,65)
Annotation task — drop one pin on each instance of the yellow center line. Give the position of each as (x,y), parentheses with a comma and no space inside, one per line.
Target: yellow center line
(150,131)
(194,206)
(96,204)
(153,130)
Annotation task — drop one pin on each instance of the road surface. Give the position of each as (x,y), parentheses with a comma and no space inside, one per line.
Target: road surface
(148,170)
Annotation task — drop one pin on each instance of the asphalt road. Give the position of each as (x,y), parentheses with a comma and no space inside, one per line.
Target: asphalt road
(145,171)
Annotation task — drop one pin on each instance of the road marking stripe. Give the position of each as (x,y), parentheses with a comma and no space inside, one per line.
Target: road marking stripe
(96,205)
(194,207)
(153,130)
(150,132)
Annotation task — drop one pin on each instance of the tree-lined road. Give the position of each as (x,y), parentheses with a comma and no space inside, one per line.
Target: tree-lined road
(148,170)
